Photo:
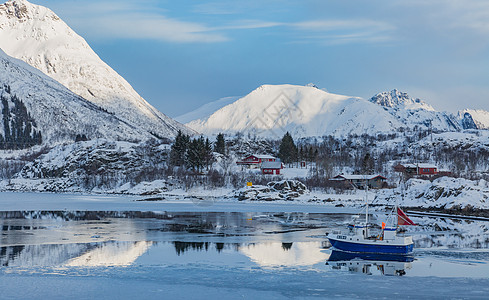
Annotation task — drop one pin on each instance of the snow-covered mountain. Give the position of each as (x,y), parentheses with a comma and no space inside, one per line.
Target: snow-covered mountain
(31,100)
(206,109)
(272,110)
(39,37)
(479,117)
(416,113)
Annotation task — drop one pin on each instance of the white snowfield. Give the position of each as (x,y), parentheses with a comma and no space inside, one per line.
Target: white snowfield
(59,113)
(272,110)
(39,37)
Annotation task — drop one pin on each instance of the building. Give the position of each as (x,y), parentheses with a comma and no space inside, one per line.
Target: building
(271,167)
(359,181)
(419,169)
(255,161)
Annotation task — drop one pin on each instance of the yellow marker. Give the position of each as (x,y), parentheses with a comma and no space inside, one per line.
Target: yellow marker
(249,184)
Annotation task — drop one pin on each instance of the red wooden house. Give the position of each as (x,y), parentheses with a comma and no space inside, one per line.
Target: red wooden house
(271,167)
(255,161)
(420,169)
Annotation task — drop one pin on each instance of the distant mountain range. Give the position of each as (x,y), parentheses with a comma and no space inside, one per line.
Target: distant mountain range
(272,110)
(75,95)
(39,37)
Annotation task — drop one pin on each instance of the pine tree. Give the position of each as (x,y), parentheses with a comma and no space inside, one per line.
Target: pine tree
(179,149)
(367,164)
(196,154)
(288,151)
(220,146)
(208,153)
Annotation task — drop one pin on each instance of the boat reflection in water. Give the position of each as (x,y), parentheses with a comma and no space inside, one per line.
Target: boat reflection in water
(369,263)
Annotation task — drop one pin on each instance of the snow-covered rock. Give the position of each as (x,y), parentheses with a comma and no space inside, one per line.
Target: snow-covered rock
(39,37)
(414,113)
(101,166)
(274,190)
(479,117)
(398,99)
(443,193)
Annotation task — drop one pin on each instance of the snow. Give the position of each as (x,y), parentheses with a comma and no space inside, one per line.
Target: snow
(444,192)
(39,37)
(305,111)
(60,114)
(206,109)
(480,117)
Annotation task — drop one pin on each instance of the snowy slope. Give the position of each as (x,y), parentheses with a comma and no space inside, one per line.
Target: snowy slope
(480,117)
(59,114)
(308,111)
(39,37)
(206,110)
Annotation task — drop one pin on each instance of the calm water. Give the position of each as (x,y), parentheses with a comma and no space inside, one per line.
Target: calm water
(199,247)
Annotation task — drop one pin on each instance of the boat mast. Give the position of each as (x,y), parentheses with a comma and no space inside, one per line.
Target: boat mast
(366,210)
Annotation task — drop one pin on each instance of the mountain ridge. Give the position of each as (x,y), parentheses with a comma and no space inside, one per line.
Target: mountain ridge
(271,110)
(36,35)
(59,114)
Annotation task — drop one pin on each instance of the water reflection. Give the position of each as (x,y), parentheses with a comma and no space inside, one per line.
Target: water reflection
(89,254)
(265,240)
(383,264)
(111,254)
(285,254)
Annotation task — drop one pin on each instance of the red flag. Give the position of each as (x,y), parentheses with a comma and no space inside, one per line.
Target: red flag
(402,219)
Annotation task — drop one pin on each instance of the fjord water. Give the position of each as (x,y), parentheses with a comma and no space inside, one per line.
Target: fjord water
(201,253)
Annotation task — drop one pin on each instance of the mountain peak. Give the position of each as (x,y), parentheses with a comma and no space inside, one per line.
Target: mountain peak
(396,99)
(36,35)
(24,10)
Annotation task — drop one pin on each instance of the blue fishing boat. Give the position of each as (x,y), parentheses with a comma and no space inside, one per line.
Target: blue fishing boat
(358,238)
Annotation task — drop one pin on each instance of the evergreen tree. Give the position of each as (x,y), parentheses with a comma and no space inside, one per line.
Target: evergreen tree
(196,154)
(220,146)
(179,149)
(208,153)
(288,151)
(367,164)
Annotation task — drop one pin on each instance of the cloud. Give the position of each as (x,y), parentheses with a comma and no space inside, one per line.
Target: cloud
(141,20)
(151,26)
(145,19)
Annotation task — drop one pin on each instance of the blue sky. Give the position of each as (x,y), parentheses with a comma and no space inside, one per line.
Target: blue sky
(182,54)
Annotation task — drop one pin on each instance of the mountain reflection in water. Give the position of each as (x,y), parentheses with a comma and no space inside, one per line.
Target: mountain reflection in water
(72,239)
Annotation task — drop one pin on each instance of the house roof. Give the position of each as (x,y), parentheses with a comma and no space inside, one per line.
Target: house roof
(271,165)
(358,177)
(420,165)
(262,156)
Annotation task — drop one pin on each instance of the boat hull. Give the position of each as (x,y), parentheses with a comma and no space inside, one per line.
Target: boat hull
(371,247)
(338,255)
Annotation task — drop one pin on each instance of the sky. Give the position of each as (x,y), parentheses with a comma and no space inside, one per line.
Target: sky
(182,54)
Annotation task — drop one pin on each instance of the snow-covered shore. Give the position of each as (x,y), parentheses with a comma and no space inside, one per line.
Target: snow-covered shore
(442,194)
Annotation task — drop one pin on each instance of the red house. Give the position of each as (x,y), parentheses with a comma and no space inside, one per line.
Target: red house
(421,169)
(255,161)
(271,167)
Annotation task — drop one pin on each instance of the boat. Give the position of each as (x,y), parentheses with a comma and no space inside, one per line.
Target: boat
(386,264)
(359,238)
